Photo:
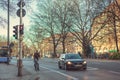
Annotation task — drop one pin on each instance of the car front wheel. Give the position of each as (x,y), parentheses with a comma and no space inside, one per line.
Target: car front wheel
(59,66)
(65,67)
(85,68)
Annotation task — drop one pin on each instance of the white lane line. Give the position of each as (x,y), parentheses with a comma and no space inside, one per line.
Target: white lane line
(91,68)
(115,72)
(68,76)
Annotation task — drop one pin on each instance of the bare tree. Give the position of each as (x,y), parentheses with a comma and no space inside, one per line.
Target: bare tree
(45,19)
(63,19)
(35,35)
(4,8)
(84,15)
(113,13)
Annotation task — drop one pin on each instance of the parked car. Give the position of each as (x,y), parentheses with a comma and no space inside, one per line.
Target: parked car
(71,61)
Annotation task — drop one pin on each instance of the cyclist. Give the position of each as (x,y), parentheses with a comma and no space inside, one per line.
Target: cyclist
(36,59)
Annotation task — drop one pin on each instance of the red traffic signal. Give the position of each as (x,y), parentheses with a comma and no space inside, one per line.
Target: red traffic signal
(21,29)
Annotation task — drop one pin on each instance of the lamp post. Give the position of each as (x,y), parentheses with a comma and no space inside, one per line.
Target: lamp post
(8,34)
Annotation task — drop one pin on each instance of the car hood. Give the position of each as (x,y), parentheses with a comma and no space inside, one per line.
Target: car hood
(72,60)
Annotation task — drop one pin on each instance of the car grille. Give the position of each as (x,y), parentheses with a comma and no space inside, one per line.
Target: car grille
(77,63)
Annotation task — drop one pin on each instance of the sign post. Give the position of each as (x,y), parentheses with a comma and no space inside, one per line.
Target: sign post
(20,13)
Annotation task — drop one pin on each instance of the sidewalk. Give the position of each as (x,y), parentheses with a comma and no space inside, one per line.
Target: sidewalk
(9,72)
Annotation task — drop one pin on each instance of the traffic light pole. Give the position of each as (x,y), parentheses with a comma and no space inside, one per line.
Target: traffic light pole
(20,44)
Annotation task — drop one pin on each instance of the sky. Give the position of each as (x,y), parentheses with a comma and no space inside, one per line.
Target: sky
(15,21)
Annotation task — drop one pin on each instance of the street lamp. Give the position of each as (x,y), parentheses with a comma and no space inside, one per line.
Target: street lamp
(8,33)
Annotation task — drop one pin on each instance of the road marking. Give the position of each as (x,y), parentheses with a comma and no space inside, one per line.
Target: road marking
(91,68)
(68,76)
(114,72)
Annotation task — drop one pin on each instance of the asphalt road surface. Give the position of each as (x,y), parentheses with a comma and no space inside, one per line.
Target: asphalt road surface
(96,70)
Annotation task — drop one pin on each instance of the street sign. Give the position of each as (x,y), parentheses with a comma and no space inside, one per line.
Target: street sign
(23,4)
(23,12)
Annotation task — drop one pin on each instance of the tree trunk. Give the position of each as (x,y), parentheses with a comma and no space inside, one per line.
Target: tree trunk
(54,49)
(115,33)
(54,53)
(86,48)
(63,45)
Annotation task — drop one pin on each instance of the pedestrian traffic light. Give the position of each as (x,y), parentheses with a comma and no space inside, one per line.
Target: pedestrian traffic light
(21,28)
(15,31)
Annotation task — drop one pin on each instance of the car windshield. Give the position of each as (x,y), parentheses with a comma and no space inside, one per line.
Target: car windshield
(72,56)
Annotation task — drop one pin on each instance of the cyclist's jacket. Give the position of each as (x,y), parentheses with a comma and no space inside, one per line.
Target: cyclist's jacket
(36,55)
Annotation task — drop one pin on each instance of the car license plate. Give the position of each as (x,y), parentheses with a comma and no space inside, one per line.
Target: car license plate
(78,65)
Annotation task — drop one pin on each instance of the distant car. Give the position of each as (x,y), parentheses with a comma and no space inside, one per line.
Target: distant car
(71,61)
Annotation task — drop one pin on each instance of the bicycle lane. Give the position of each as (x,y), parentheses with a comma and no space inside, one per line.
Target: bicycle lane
(46,73)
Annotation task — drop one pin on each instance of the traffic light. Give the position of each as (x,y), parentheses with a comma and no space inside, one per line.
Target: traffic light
(21,28)
(15,31)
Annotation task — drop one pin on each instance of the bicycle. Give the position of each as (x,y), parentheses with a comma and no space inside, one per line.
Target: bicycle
(36,65)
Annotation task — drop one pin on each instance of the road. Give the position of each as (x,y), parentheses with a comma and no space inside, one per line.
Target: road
(96,70)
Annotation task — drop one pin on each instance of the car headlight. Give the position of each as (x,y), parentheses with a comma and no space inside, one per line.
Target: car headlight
(84,62)
(69,62)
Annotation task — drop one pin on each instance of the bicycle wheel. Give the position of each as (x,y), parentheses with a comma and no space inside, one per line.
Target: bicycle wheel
(37,66)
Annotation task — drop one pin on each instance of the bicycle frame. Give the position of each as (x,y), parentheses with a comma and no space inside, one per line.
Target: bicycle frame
(36,64)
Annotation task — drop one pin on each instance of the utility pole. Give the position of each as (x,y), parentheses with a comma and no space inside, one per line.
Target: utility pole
(8,34)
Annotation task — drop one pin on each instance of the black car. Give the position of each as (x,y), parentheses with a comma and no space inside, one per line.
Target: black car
(71,61)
